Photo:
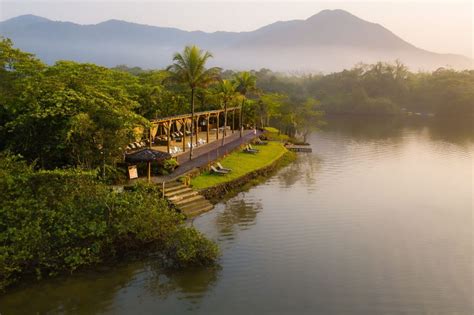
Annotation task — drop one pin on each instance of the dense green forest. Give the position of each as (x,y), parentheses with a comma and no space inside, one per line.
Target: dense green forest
(72,114)
(64,128)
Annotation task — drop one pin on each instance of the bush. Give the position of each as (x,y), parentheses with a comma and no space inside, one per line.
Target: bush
(188,247)
(169,165)
(62,220)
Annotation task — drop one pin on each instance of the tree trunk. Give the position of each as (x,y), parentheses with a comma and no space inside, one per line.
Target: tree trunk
(192,125)
(242,116)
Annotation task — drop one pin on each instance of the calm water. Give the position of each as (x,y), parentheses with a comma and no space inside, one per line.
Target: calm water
(378,220)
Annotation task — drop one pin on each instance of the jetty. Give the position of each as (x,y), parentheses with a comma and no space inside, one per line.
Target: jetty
(299,148)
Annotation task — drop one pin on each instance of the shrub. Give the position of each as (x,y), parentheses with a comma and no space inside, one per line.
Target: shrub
(169,165)
(62,220)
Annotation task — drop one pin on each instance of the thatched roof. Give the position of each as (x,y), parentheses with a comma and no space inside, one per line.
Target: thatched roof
(146,155)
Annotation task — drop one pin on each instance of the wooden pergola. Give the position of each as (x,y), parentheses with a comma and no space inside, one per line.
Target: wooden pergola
(181,122)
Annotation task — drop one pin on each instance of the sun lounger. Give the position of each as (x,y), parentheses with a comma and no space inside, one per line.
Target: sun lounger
(222,168)
(248,150)
(260,142)
(250,147)
(216,171)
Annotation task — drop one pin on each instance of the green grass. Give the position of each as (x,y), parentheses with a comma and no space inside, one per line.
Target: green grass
(241,164)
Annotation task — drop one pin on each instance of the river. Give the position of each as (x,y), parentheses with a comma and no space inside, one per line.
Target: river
(377,220)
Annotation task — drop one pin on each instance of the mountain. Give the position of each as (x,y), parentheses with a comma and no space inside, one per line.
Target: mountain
(328,41)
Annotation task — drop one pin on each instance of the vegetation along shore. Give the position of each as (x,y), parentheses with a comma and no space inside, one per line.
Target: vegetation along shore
(66,128)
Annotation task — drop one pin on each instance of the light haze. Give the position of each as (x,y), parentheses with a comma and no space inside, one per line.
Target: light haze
(442,26)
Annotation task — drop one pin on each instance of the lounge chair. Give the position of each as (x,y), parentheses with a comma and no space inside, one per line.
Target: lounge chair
(250,147)
(260,142)
(216,171)
(248,150)
(222,168)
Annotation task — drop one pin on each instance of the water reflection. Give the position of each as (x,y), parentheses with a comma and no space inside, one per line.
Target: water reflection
(367,128)
(190,284)
(237,213)
(460,132)
(102,291)
(65,295)
(455,131)
(306,168)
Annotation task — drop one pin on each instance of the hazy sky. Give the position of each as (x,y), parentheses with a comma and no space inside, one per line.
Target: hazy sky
(442,26)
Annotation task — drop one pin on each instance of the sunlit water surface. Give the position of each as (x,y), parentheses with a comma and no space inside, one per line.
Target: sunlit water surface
(377,220)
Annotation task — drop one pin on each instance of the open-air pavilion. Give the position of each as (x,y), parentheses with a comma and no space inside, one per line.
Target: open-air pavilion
(173,134)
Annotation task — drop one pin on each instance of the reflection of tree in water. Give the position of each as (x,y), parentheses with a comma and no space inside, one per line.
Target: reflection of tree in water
(85,293)
(305,167)
(367,128)
(237,212)
(190,284)
(458,131)
(95,292)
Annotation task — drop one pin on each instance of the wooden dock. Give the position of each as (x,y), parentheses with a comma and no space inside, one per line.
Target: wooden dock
(299,148)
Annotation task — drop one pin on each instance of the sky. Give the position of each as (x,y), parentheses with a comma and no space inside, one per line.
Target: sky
(443,26)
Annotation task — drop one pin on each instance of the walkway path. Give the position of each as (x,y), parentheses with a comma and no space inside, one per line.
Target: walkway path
(205,154)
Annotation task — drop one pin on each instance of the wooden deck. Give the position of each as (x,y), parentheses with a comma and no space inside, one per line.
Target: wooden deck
(299,148)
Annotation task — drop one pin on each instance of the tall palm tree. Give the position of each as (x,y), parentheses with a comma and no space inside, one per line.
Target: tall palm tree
(189,67)
(246,82)
(227,90)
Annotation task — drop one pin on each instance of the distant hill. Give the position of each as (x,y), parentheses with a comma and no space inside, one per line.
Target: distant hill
(328,41)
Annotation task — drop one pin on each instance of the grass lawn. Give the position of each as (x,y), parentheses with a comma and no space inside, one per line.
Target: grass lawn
(241,164)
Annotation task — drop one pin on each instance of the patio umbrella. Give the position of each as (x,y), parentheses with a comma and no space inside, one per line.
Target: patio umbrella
(147,155)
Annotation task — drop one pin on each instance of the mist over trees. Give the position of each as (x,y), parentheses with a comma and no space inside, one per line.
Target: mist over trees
(381,89)
(64,128)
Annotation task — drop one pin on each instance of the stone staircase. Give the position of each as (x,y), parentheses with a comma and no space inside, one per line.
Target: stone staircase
(187,200)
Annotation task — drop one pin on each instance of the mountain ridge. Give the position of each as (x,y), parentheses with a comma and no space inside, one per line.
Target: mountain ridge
(327,41)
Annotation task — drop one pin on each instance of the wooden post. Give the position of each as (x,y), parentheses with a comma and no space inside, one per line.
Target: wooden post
(169,135)
(151,138)
(233,121)
(207,131)
(217,133)
(183,138)
(163,189)
(149,171)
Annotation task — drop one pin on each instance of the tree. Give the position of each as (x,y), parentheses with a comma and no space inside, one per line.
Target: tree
(79,114)
(246,82)
(189,68)
(309,117)
(270,106)
(226,89)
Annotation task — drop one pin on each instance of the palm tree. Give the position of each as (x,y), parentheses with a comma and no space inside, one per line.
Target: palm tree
(227,90)
(189,67)
(246,82)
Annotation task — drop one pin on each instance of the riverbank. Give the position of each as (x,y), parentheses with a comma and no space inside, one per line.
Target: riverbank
(61,221)
(247,171)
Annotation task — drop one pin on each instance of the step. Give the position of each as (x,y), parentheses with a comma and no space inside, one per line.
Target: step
(182,191)
(200,210)
(192,199)
(174,188)
(185,201)
(183,196)
(194,205)
(171,184)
